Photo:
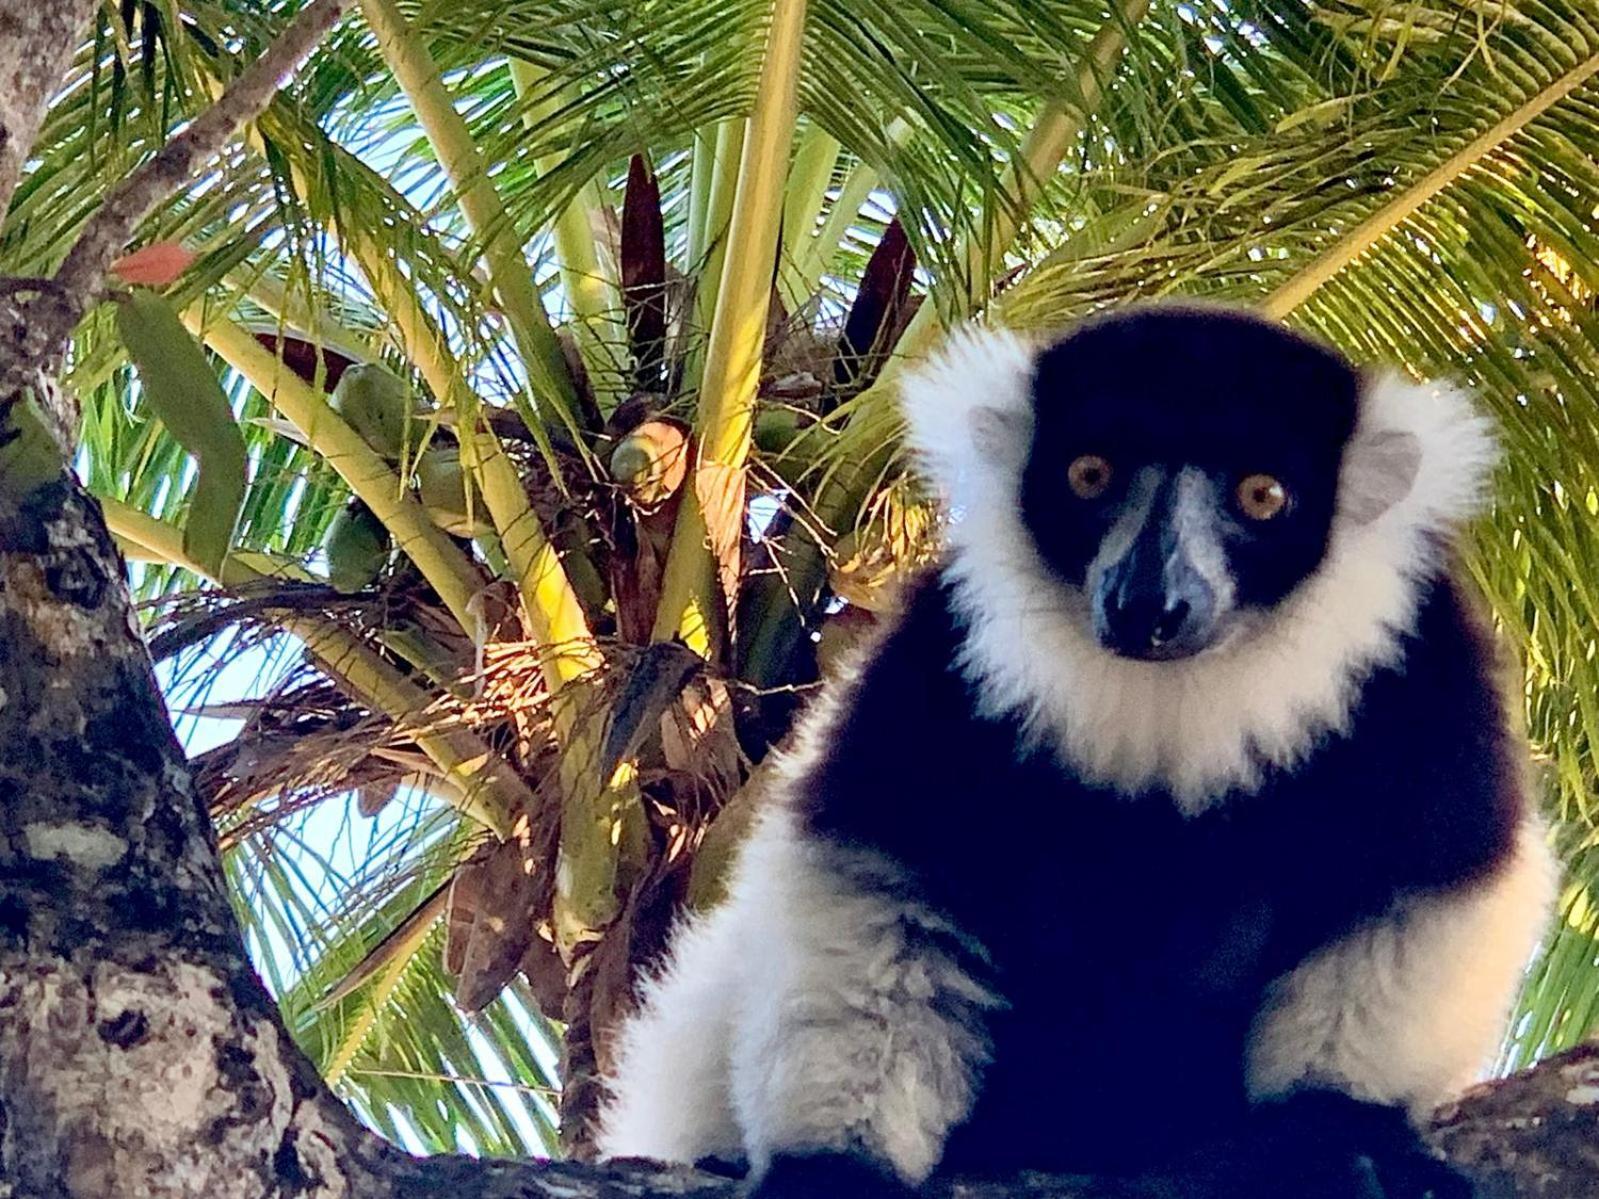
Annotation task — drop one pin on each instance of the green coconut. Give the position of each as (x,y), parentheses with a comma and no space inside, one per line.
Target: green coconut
(376,403)
(775,428)
(651,462)
(442,487)
(357,547)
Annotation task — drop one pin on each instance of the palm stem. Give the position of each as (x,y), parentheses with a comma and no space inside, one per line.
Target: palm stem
(443,565)
(813,255)
(510,277)
(812,173)
(1364,236)
(702,174)
(724,176)
(592,294)
(712,514)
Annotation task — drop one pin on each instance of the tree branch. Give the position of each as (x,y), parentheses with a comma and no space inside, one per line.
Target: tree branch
(82,274)
(37,41)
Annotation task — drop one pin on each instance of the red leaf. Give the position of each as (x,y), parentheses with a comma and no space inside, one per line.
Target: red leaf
(300,356)
(155,265)
(879,301)
(644,274)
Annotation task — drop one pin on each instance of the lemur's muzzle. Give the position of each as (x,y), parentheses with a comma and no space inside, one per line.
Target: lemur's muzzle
(1154,602)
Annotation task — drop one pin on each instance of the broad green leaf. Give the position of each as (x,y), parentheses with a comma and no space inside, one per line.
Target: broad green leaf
(182,388)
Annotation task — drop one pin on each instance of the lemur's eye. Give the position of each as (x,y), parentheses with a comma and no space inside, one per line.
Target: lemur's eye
(1261,497)
(1089,476)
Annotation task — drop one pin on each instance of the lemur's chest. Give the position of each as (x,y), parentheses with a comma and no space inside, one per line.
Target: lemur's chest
(1134,947)
(1134,892)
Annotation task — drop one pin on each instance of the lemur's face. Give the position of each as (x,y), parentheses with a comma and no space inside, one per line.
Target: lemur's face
(1183,472)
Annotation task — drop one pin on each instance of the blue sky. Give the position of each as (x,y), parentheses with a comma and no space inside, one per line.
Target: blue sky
(332,843)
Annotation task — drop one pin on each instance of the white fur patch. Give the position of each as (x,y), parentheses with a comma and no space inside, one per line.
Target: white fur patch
(669,1092)
(849,1035)
(1204,725)
(810,1011)
(1408,1010)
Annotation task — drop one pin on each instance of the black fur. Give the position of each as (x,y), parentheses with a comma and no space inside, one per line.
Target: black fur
(1219,391)
(1134,944)
(829,1176)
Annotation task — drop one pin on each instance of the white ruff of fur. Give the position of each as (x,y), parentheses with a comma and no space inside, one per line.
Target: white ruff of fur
(1206,725)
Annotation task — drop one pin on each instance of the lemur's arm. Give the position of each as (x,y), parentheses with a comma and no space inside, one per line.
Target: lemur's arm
(1367,1036)
(1401,1011)
(858,1042)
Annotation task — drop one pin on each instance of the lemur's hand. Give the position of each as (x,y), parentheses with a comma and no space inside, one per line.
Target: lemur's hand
(827,1176)
(1322,1143)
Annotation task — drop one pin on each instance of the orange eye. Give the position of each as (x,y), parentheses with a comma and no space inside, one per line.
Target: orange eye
(1261,497)
(1089,476)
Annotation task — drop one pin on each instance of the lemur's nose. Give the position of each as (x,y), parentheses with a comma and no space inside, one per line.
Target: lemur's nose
(1170,622)
(1154,611)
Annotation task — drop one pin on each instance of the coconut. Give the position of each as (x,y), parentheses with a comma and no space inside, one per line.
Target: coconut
(442,487)
(357,547)
(651,462)
(376,403)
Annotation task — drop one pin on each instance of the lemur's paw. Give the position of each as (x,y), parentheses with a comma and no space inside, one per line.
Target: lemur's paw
(827,1176)
(725,1167)
(1420,1176)
(1343,1148)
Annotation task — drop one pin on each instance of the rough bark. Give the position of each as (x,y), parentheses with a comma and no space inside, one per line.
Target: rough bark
(36,44)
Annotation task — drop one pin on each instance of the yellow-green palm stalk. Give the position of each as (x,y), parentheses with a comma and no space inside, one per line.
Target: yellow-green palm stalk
(491,793)
(812,252)
(551,610)
(702,174)
(710,254)
(595,302)
(711,518)
(443,565)
(509,275)
(814,160)
(594,810)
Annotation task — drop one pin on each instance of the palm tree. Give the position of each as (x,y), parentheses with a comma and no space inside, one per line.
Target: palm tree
(557,345)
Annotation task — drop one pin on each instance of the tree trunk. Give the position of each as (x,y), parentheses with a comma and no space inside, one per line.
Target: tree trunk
(139,1053)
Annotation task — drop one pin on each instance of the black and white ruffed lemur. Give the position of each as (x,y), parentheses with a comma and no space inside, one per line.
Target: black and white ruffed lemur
(1181,807)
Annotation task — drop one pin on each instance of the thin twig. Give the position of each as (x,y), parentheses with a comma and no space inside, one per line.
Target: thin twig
(82,274)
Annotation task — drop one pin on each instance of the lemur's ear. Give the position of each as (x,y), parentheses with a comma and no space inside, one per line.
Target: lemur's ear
(969,411)
(1000,433)
(1379,471)
(1421,453)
